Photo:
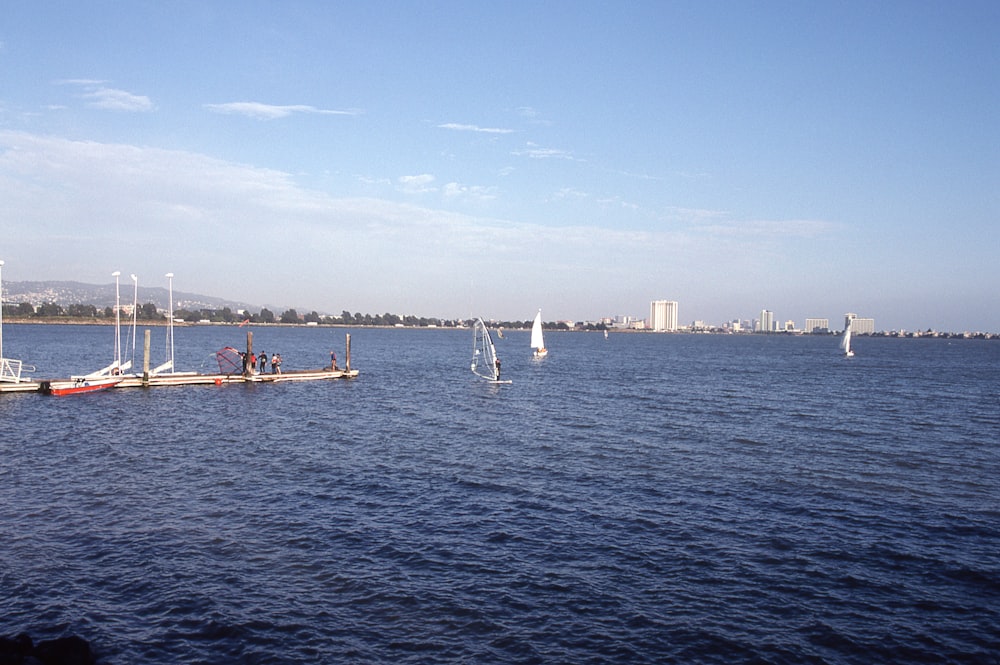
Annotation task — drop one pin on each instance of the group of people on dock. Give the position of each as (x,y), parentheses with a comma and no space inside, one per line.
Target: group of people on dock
(254,361)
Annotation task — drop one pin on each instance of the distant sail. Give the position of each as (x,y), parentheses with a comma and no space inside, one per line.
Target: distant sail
(845,341)
(537,340)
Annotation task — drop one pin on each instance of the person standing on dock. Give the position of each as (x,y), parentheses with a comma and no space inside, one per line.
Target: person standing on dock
(333,361)
(276,363)
(263,362)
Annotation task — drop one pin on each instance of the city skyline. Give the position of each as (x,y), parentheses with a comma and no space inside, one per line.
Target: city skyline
(664,314)
(466,159)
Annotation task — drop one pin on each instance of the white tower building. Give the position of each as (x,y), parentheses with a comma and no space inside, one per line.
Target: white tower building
(663,315)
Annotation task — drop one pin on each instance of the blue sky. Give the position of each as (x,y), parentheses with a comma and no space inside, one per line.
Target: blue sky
(456,159)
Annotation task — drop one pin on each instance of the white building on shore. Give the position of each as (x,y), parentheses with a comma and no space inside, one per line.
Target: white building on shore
(663,315)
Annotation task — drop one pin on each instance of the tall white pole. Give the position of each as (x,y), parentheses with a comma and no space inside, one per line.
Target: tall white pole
(170,319)
(135,306)
(118,335)
(1,309)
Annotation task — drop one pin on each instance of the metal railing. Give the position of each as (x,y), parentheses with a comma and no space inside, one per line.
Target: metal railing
(10,370)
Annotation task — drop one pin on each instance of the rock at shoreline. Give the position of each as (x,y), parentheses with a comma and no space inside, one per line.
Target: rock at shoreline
(21,650)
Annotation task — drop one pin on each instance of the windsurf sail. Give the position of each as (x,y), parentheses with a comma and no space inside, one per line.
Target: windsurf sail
(230,361)
(484,354)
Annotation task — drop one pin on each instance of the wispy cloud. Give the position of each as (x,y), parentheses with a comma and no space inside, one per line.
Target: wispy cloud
(63,199)
(454,190)
(417,184)
(261,111)
(100,96)
(118,100)
(475,128)
(534,151)
(570,193)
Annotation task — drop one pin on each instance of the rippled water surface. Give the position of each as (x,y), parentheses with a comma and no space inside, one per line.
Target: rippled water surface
(646,498)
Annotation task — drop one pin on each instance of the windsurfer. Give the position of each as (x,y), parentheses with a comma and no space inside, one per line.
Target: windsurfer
(498,368)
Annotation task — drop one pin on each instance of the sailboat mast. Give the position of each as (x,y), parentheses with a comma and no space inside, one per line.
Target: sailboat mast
(118,333)
(170,319)
(135,306)
(1,309)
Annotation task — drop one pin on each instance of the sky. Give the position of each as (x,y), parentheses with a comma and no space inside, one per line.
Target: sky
(460,159)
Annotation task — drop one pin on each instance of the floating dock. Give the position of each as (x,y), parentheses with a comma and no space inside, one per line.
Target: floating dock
(150,379)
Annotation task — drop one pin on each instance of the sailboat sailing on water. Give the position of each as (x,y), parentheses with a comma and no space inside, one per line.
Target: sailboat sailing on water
(845,341)
(537,341)
(484,355)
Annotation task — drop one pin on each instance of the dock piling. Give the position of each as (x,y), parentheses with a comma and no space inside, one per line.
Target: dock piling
(247,362)
(145,358)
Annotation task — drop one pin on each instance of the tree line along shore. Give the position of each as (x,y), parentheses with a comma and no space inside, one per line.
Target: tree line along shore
(149,314)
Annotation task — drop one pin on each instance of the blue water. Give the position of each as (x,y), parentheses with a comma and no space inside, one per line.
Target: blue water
(641,499)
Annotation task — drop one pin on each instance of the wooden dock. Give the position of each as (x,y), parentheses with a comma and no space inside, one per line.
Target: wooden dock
(149,379)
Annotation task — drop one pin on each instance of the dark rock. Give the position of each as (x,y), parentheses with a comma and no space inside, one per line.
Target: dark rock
(72,650)
(13,650)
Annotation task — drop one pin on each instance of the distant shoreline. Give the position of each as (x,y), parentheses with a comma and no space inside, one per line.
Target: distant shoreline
(67,321)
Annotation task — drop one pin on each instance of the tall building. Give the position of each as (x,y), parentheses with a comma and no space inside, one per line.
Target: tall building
(858,325)
(663,315)
(766,321)
(817,325)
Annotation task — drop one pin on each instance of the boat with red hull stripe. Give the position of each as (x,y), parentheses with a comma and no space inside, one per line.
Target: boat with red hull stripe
(77,386)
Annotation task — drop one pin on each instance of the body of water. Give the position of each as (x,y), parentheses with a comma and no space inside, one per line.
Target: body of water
(641,499)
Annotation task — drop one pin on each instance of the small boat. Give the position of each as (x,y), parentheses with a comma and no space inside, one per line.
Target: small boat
(80,385)
(845,341)
(537,341)
(484,355)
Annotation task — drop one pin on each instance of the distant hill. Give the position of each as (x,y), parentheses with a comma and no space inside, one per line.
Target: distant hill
(103,295)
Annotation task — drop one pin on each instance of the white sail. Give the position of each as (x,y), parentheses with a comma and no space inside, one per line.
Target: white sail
(484,354)
(845,341)
(537,340)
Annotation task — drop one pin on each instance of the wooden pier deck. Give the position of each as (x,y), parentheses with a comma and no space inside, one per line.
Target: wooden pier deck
(153,380)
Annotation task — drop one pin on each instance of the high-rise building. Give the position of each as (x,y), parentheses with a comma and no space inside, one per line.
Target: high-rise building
(858,325)
(766,321)
(663,315)
(817,325)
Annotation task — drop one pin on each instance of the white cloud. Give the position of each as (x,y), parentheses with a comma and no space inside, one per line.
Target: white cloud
(100,96)
(417,184)
(118,100)
(454,190)
(537,152)
(570,193)
(67,202)
(262,111)
(475,128)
